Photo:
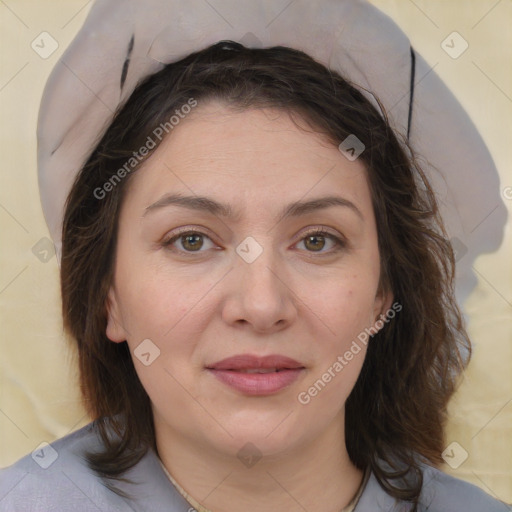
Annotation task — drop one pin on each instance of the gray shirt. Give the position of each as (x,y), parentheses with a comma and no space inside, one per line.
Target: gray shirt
(56,478)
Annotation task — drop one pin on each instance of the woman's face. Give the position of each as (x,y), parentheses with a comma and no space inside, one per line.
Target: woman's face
(220,280)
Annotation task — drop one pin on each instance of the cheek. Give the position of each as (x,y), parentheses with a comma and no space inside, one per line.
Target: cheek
(339,356)
(172,312)
(164,318)
(345,306)
(156,303)
(324,394)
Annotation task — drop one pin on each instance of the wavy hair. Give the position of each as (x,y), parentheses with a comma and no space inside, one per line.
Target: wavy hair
(396,413)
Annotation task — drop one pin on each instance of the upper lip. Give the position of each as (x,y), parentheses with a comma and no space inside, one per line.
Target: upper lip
(249,362)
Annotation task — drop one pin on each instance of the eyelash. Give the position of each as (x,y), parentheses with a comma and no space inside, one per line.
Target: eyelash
(339,242)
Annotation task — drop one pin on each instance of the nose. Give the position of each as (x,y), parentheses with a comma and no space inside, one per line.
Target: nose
(260,295)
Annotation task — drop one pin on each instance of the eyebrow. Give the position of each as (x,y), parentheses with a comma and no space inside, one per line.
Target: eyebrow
(209,205)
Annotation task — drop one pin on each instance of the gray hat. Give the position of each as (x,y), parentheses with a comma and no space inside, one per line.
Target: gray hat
(123,41)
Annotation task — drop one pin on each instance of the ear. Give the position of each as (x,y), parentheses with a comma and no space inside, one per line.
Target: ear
(115,331)
(382,304)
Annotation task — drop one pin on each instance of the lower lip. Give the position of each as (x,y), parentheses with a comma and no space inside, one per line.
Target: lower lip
(258,383)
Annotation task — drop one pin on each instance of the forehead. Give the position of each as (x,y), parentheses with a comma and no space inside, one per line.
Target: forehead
(250,157)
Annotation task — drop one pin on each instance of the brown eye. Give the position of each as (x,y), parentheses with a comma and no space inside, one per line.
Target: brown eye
(317,240)
(192,242)
(314,242)
(188,242)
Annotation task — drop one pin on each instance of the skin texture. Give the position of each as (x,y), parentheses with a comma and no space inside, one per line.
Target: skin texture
(199,307)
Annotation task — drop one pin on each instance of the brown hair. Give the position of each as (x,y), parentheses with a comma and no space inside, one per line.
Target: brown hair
(396,413)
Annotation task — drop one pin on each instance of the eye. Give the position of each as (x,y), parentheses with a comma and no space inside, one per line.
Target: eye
(190,241)
(316,241)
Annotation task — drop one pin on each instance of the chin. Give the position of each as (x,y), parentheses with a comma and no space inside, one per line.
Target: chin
(266,434)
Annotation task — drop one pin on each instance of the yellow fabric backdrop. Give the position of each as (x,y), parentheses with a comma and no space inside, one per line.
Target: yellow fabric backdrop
(38,393)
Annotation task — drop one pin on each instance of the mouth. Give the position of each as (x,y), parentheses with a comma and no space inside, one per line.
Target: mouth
(253,375)
(260,370)
(256,364)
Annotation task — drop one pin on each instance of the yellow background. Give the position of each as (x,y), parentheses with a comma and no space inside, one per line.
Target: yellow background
(38,394)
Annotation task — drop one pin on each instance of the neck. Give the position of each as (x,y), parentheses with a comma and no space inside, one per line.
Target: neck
(315,476)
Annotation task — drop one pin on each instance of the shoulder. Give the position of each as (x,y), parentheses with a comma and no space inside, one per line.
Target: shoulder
(443,492)
(56,477)
(440,493)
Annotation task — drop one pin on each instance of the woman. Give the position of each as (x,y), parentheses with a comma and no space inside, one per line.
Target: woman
(261,293)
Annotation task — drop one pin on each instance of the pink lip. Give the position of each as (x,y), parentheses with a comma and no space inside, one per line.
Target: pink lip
(230,371)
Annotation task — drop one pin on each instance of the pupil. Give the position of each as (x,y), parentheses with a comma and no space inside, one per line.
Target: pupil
(315,239)
(194,244)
